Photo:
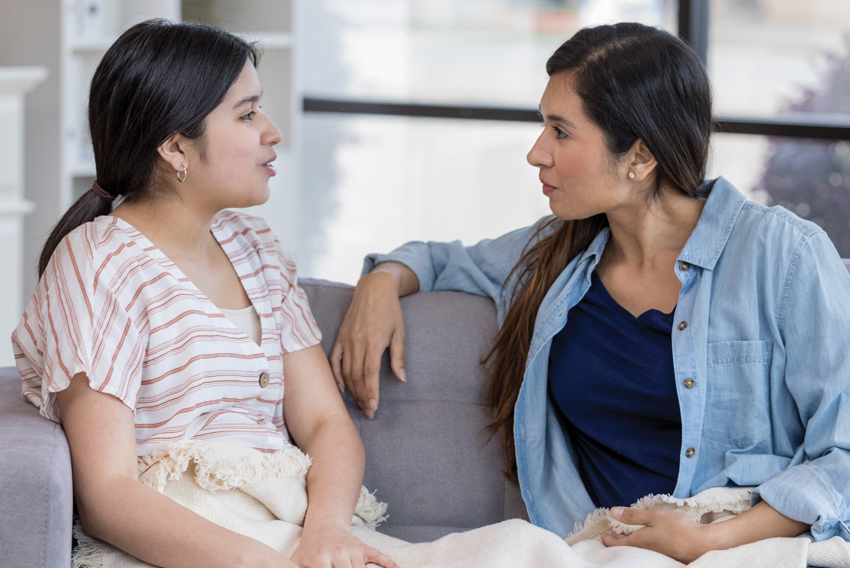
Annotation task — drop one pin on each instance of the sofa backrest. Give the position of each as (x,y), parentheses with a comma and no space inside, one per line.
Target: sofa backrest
(427,451)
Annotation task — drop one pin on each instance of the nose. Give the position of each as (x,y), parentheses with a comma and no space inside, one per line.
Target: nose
(539,156)
(271,134)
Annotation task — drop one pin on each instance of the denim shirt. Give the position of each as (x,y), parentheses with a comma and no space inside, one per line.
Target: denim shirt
(762,328)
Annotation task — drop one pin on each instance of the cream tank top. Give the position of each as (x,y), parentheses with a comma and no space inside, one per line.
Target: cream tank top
(247,320)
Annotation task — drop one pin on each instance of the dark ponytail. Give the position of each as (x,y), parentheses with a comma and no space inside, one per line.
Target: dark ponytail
(158,79)
(635,83)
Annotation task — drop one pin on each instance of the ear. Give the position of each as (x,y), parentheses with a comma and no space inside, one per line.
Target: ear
(641,161)
(175,152)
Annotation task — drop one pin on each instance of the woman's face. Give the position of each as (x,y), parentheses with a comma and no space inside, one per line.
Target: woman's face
(231,164)
(580,176)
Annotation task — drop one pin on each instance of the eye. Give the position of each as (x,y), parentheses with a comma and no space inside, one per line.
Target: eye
(249,116)
(560,134)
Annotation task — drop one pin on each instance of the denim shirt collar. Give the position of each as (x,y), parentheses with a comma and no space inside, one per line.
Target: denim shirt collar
(722,206)
(597,245)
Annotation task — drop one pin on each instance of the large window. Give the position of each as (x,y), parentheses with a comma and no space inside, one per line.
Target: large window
(390,154)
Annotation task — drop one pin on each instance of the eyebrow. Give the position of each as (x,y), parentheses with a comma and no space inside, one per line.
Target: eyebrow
(555,118)
(561,119)
(248,100)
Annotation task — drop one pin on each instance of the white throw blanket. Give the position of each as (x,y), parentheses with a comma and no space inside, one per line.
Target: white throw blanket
(264,496)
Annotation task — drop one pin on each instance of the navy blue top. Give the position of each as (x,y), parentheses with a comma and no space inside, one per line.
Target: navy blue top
(611,375)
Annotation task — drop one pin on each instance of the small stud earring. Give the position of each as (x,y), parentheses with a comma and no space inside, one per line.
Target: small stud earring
(631,175)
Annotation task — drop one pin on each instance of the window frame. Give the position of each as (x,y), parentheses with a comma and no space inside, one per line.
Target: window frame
(693,22)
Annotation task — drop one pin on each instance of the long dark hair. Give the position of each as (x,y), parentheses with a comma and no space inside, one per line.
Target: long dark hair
(635,82)
(158,79)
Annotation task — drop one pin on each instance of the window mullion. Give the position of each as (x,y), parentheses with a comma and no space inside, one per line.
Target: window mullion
(693,26)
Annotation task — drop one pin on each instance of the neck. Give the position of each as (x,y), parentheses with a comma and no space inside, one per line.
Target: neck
(174,227)
(646,236)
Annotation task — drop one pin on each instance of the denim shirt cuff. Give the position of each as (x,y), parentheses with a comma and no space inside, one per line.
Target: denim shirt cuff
(801,494)
(416,256)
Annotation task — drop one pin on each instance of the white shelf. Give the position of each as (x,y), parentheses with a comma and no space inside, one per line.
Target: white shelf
(269,40)
(93,46)
(82,170)
(15,80)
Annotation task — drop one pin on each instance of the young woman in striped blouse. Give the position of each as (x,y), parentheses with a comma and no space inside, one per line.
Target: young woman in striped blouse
(169,318)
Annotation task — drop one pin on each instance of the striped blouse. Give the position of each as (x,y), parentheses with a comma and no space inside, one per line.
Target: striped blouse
(113,306)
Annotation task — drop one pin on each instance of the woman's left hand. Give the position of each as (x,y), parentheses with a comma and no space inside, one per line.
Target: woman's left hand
(337,548)
(667,532)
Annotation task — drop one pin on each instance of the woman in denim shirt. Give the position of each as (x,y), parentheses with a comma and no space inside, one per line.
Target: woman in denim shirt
(757,301)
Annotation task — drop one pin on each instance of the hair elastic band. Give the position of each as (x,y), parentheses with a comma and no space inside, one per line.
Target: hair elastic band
(102,193)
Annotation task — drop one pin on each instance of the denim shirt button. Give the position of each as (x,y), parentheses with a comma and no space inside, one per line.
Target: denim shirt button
(689,383)
(684,266)
(690,452)
(683,325)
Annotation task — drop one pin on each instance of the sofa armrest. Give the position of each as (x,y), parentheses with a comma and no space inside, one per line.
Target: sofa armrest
(36,495)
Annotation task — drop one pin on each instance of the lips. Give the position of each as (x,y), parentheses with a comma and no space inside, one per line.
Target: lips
(269,167)
(547,189)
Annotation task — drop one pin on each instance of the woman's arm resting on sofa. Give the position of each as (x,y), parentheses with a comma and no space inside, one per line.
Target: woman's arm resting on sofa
(115,507)
(373,322)
(685,540)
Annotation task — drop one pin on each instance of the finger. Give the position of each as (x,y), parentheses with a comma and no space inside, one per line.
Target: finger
(611,538)
(397,355)
(336,365)
(357,379)
(373,556)
(632,516)
(372,378)
(347,357)
(358,560)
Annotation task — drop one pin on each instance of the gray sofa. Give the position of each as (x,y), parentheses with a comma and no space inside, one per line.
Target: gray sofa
(426,450)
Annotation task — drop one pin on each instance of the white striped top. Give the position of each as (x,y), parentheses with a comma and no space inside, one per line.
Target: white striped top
(112,305)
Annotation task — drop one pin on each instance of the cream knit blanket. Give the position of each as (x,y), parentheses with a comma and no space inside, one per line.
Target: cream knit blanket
(264,496)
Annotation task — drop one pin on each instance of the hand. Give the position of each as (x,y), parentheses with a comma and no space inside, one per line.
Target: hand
(667,532)
(337,548)
(373,322)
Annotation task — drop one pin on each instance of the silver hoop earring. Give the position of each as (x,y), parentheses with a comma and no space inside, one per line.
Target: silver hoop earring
(184,175)
(631,175)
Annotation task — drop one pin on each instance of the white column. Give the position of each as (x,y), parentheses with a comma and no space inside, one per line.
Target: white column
(15,82)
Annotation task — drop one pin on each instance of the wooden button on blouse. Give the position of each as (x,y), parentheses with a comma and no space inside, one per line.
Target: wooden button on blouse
(684,266)
(691,452)
(689,383)
(683,325)
(264,380)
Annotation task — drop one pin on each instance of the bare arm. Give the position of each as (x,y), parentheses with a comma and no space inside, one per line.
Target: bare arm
(373,322)
(115,507)
(685,540)
(319,423)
